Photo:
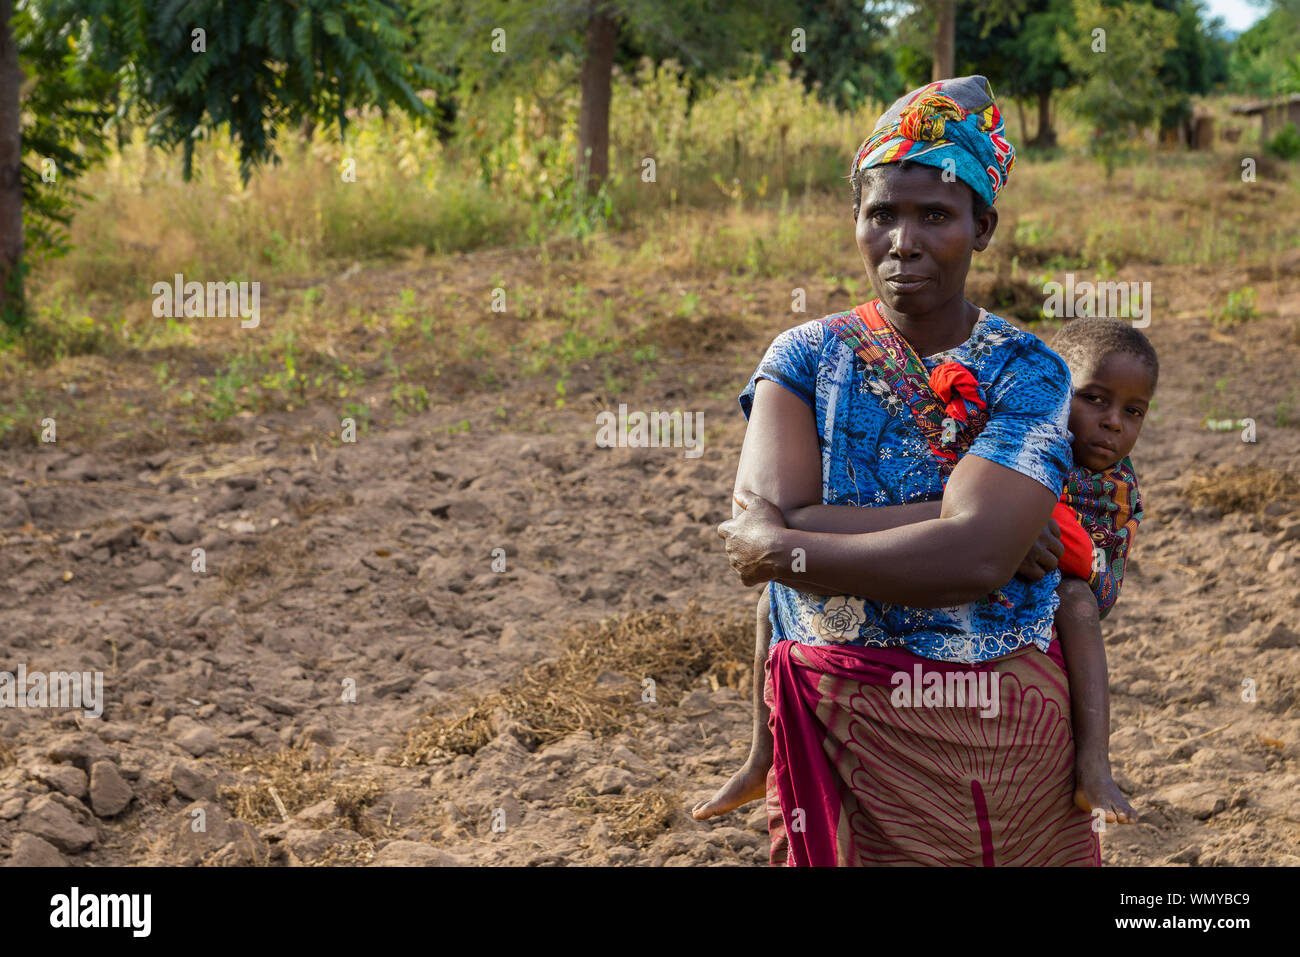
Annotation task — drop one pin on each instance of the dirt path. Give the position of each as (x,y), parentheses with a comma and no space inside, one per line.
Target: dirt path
(369,567)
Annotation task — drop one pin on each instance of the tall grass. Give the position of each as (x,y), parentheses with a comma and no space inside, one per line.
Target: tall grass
(505,178)
(749,184)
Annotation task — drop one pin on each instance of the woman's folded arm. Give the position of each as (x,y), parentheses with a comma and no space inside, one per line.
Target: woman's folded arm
(989,517)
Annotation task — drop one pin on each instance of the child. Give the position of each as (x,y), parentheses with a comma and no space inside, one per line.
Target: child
(1113,369)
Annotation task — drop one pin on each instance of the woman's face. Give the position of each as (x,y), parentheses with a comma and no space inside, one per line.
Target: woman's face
(916,234)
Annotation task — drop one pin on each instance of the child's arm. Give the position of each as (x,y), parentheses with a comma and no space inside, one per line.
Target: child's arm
(1078,627)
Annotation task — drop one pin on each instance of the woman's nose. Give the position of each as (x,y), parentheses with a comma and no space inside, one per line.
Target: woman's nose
(903,242)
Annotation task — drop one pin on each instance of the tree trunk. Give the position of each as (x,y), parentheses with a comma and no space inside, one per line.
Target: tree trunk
(593,116)
(11,179)
(1046,136)
(944,40)
(1024,125)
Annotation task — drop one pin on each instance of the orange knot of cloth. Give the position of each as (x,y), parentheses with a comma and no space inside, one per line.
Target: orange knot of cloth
(957,389)
(924,119)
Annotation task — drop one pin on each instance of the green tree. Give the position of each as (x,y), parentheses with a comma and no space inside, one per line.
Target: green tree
(185,68)
(935,27)
(1117,52)
(1196,64)
(850,54)
(1022,59)
(491,42)
(1038,71)
(1265,59)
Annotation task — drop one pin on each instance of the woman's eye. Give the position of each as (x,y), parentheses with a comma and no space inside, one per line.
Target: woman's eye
(1137,412)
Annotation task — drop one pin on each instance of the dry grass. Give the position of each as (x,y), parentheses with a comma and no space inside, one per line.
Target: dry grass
(352,800)
(287,773)
(1249,488)
(279,558)
(248,465)
(635,819)
(305,510)
(558,697)
(347,855)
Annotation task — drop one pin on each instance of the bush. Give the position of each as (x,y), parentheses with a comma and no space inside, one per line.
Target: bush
(1286,144)
(1239,308)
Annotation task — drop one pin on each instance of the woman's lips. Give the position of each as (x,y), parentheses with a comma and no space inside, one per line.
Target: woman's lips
(1101,449)
(906,283)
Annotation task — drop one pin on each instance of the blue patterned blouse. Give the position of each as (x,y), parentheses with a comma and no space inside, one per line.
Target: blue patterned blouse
(873,453)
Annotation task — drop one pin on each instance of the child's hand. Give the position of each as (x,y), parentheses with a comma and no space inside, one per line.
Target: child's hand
(1044,555)
(753,539)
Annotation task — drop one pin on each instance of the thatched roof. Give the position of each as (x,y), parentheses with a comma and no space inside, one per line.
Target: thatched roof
(1262,105)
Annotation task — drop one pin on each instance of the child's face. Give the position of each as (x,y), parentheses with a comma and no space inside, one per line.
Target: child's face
(916,234)
(1110,403)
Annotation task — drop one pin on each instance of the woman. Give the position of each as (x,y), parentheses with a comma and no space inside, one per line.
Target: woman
(880,613)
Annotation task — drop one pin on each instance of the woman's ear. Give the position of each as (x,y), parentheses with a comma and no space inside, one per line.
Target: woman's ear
(984,227)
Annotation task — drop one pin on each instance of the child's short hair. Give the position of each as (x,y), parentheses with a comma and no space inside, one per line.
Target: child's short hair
(857,176)
(1086,340)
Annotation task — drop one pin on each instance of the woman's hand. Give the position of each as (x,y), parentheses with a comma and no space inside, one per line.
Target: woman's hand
(753,537)
(1044,555)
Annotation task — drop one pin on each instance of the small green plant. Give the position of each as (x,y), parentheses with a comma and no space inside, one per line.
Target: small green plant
(1213,401)
(288,379)
(404,316)
(231,390)
(1285,414)
(613,384)
(12,417)
(1239,308)
(359,414)
(1286,144)
(1030,232)
(410,398)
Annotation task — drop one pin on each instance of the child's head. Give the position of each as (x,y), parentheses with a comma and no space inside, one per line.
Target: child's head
(1114,370)
(924,184)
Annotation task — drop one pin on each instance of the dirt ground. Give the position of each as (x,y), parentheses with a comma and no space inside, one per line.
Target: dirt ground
(368,569)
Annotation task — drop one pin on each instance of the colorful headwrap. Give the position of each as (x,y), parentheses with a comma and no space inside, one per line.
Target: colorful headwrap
(948,120)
